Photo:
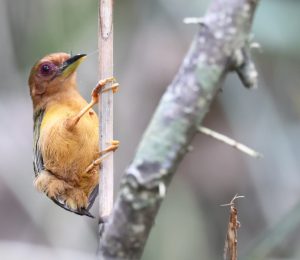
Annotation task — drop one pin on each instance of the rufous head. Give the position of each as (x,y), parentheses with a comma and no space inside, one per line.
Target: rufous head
(53,74)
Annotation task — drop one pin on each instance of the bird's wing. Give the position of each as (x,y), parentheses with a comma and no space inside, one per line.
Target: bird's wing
(38,163)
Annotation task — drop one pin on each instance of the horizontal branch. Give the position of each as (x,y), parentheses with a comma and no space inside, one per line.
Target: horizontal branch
(174,124)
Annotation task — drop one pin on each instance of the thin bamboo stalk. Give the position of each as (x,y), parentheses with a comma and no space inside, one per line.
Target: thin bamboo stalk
(105,45)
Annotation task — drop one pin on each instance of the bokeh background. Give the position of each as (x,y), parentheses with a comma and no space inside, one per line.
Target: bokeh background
(150,43)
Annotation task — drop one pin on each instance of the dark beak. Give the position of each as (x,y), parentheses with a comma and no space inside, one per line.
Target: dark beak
(71,64)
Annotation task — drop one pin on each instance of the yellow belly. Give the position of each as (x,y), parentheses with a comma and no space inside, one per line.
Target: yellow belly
(67,153)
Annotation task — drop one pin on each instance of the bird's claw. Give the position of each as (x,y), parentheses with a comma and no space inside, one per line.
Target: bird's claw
(114,145)
(114,88)
(101,84)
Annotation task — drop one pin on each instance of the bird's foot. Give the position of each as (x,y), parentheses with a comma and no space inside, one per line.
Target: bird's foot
(114,87)
(100,87)
(72,121)
(114,145)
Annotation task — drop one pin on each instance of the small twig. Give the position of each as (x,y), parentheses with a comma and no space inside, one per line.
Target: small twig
(194,20)
(255,45)
(231,203)
(247,71)
(230,247)
(243,64)
(220,137)
(106,106)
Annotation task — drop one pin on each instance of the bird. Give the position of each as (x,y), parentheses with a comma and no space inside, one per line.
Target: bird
(66,155)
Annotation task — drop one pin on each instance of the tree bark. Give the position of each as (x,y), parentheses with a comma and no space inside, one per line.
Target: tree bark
(223,31)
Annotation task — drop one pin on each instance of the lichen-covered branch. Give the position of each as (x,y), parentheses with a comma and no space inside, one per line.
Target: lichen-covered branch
(225,29)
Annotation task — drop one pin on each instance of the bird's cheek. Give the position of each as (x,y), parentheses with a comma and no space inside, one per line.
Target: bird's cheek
(39,89)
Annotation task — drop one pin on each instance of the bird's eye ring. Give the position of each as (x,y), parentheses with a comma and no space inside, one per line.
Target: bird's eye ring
(46,69)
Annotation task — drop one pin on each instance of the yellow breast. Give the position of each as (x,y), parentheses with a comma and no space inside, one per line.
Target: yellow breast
(68,153)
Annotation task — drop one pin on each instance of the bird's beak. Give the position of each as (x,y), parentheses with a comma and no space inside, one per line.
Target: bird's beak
(71,64)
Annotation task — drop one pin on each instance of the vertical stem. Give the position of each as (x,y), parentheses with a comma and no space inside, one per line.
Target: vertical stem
(105,45)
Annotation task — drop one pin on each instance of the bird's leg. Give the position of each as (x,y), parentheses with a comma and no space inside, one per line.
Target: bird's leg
(114,146)
(71,122)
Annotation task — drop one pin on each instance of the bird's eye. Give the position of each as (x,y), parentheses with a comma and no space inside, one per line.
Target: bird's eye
(46,69)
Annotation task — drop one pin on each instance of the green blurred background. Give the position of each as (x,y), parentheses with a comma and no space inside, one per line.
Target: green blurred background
(150,43)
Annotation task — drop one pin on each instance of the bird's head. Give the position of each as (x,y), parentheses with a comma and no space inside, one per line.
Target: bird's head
(53,74)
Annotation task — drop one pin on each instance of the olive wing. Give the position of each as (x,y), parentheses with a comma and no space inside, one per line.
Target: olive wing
(38,165)
(38,162)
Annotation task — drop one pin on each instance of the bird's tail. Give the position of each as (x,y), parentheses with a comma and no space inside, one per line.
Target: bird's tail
(81,212)
(92,197)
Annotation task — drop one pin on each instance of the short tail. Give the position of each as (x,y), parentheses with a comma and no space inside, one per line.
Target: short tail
(81,212)
(93,196)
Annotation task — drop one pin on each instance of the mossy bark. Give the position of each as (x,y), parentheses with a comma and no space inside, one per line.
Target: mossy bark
(182,108)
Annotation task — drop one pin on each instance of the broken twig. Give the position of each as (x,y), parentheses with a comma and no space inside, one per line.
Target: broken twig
(193,20)
(230,248)
(223,138)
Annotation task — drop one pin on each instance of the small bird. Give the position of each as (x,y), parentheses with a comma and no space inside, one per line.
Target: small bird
(66,156)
